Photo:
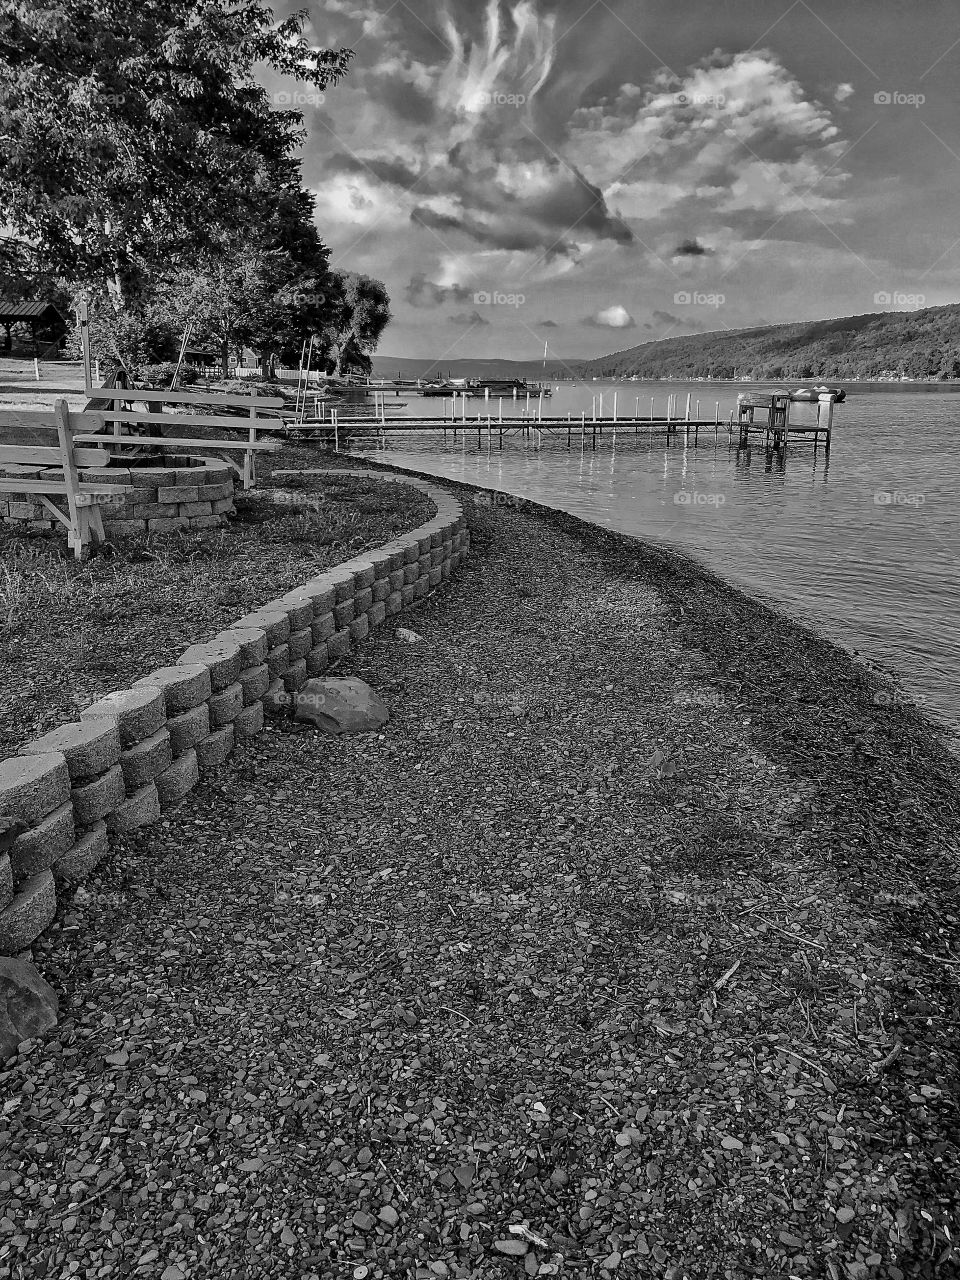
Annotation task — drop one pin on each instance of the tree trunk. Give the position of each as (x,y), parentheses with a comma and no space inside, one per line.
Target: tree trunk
(225,357)
(342,349)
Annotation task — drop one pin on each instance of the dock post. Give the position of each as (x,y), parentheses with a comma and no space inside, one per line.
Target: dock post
(689,398)
(501,411)
(615,406)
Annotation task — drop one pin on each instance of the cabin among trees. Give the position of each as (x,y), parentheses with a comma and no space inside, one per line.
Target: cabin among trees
(35,325)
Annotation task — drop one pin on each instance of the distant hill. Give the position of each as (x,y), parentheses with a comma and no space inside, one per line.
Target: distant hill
(918,344)
(406,367)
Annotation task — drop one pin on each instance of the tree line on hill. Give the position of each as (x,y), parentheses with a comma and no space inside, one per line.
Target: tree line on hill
(915,344)
(145,169)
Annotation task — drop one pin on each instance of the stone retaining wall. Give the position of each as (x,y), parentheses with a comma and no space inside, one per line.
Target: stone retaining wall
(139,751)
(185,493)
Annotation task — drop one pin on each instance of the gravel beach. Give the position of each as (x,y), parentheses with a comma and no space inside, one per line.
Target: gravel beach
(628,948)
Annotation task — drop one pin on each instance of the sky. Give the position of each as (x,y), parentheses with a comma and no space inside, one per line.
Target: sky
(593,174)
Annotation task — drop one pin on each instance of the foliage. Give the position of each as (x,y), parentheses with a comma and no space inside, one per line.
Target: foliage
(161,375)
(354,326)
(124,118)
(919,344)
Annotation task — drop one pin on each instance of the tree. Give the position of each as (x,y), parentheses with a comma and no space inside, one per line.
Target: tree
(135,133)
(356,325)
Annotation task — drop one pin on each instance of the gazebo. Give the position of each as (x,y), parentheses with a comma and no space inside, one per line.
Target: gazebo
(42,317)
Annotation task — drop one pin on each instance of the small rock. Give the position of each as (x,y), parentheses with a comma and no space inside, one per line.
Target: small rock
(340,705)
(408,636)
(845,1214)
(28,1005)
(514,1248)
(389,1215)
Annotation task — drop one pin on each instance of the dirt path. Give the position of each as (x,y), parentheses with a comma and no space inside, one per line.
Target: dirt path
(360,1006)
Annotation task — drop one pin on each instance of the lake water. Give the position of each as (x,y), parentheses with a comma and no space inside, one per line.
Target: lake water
(865,544)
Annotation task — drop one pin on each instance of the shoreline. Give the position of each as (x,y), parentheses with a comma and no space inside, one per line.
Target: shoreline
(694,1015)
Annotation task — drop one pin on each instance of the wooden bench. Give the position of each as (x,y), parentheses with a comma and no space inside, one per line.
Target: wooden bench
(82,518)
(111,433)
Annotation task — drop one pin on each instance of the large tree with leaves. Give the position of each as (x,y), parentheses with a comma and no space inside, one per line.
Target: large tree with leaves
(134,134)
(357,321)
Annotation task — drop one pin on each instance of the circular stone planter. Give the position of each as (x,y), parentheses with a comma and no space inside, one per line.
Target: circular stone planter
(176,491)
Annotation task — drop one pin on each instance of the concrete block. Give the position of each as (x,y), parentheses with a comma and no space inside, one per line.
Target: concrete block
(295,676)
(33,786)
(152,477)
(323,595)
(398,559)
(252,642)
(359,628)
(85,854)
(364,577)
(215,492)
(254,681)
(317,661)
(300,643)
(397,579)
(180,778)
(39,847)
(436,538)
(376,614)
(222,506)
(249,722)
(188,728)
(274,622)
(178,493)
(276,701)
(30,912)
(167,526)
(411,573)
(423,545)
(394,602)
(184,686)
(343,586)
(189,475)
(406,594)
(339,646)
(323,627)
(90,747)
(425,564)
(434,577)
(192,510)
(225,705)
(344,614)
(411,553)
(141,763)
(215,748)
(221,657)
(107,475)
(277,661)
(138,712)
(138,810)
(153,510)
(363,600)
(94,800)
(298,608)
(206,522)
(381,589)
(130,528)
(421,588)
(436,557)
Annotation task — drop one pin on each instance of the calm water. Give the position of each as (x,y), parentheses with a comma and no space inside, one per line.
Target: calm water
(866,546)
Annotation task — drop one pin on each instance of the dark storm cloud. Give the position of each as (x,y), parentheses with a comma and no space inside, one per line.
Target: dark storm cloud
(421,292)
(547,324)
(664,317)
(692,249)
(467,319)
(392,172)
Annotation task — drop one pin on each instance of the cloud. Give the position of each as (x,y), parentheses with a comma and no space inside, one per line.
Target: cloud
(843,91)
(547,324)
(615,317)
(692,249)
(468,318)
(421,292)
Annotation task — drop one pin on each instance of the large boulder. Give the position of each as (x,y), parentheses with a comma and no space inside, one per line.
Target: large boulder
(28,1005)
(340,705)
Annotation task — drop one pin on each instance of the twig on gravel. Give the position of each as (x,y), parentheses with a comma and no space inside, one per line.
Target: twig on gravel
(814,1065)
(725,977)
(878,1068)
(399,1190)
(447,1009)
(807,942)
(75,1208)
